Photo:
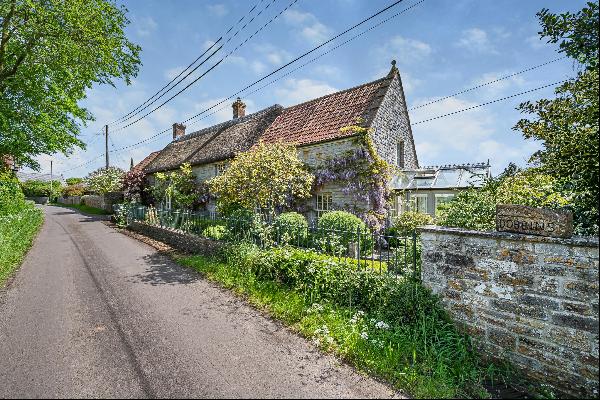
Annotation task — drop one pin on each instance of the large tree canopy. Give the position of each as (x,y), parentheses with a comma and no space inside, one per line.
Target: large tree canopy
(567,125)
(51,52)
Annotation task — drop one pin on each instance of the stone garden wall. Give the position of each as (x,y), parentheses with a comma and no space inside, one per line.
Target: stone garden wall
(176,238)
(104,202)
(528,299)
(71,200)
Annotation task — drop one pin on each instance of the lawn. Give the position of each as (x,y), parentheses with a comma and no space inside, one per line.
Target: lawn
(83,208)
(17,232)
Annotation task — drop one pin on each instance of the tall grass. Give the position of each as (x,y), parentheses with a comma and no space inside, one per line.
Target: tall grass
(16,235)
(390,327)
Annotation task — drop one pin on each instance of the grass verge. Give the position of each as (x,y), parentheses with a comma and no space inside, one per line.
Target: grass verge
(17,232)
(424,356)
(83,208)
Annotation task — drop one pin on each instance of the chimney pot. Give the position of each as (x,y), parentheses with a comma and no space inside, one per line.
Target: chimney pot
(239,108)
(178,130)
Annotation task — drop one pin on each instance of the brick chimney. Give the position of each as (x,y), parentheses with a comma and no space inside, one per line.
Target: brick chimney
(239,108)
(178,130)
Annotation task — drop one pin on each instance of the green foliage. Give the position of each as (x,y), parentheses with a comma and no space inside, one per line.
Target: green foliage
(291,227)
(17,230)
(51,53)
(339,228)
(567,125)
(133,185)
(407,222)
(476,208)
(177,187)
(12,199)
(216,232)
(34,188)
(105,180)
(73,181)
(267,177)
(76,189)
(390,327)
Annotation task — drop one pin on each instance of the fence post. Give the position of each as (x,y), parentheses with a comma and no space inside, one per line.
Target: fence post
(358,250)
(414,242)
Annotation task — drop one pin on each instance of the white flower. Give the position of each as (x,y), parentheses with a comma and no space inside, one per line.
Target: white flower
(329,339)
(364,335)
(382,325)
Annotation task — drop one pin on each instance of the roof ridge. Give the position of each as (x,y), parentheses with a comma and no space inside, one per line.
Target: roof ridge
(339,91)
(230,122)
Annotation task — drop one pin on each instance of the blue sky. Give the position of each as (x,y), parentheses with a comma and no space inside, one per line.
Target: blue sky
(441,47)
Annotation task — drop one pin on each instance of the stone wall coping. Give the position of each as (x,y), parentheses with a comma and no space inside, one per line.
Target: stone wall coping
(582,241)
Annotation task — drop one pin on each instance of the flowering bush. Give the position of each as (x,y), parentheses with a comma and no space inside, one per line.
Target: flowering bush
(178,187)
(133,185)
(77,189)
(267,177)
(105,180)
(365,176)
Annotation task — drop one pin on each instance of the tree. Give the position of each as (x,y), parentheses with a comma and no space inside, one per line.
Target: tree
(51,52)
(567,126)
(105,180)
(133,185)
(266,177)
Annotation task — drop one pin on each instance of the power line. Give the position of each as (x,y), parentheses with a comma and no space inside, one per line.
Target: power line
(273,72)
(191,64)
(299,57)
(275,80)
(486,83)
(488,103)
(196,68)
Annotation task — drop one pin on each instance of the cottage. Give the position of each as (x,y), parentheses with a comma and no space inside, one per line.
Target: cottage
(314,126)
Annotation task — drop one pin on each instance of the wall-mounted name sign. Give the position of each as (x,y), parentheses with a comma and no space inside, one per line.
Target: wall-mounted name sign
(534,221)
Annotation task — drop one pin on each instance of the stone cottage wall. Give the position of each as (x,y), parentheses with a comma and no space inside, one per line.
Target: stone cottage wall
(528,299)
(391,124)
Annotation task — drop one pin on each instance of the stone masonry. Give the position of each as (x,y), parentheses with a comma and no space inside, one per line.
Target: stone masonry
(530,300)
(176,238)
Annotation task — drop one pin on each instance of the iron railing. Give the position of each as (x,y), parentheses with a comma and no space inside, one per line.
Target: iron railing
(385,253)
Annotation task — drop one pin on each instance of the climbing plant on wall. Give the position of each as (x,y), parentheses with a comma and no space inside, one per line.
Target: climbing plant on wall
(363,174)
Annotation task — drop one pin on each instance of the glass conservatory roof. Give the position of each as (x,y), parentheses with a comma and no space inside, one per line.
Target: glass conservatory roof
(443,177)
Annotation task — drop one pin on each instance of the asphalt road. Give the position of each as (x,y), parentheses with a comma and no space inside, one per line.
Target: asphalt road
(95,313)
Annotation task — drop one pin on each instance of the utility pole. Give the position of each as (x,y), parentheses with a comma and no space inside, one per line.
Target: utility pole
(106,143)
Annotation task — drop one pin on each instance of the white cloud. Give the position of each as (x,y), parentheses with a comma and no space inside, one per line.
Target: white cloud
(403,50)
(502,154)
(256,66)
(144,25)
(476,40)
(296,91)
(499,87)
(535,42)
(173,72)
(308,26)
(327,70)
(218,10)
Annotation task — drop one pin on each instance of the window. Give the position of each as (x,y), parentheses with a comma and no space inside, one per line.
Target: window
(305,155)
(220,168)
(442,199)
(419,203)
(400,154)
(324,203)
(399,205)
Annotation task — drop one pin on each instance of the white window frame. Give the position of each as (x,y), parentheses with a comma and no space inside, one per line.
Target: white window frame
(324,203)
(220,168)
(415,203)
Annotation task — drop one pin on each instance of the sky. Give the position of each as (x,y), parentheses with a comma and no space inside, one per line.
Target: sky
(441,47)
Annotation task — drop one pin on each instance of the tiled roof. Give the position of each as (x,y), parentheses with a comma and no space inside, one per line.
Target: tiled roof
(215,143)
(144,163)
(321,119)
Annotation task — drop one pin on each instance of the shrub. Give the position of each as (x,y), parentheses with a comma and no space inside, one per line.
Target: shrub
(73,181)
(337,229)
(291,227)
(216,232)
(407,222)
(12,199)
(76,189)
(133,185)
(105,180)
(35,188)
